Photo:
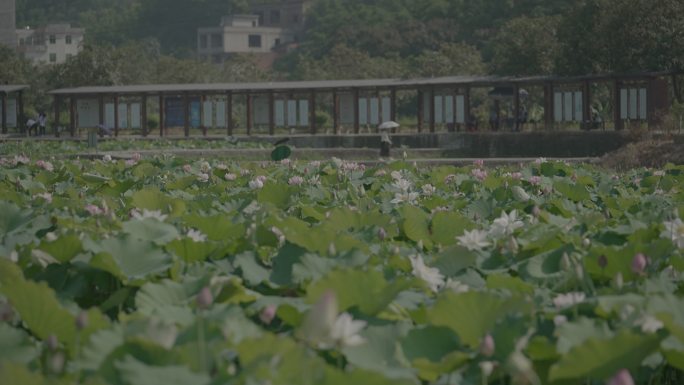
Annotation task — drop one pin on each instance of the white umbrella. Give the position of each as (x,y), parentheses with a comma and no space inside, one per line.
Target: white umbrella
(387,125)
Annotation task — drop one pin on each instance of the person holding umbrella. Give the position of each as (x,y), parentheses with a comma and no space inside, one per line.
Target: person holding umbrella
(385,141)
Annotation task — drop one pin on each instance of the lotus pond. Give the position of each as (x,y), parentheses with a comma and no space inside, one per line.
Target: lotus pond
(175,272)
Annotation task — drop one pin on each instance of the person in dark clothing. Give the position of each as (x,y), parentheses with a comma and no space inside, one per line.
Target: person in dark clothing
(385,143)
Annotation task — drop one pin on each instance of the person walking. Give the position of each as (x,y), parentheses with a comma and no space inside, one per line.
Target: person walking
(42,122)
(385,143)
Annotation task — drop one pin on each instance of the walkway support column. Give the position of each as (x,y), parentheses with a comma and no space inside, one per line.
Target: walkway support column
(618,124)
(336,112)
(116,115)
(421,110)
(56,100)
(548,106)
(393,104)
(229,113)
(586,103)
(516,107)
(72,115)
(3,96)
(101,113)
(186,109)
(143,115)
(161,115)
(432,110)
(271,113)
(20,107)
(312,121)
(466,110)
(249,114)
(357,123)
(203,120)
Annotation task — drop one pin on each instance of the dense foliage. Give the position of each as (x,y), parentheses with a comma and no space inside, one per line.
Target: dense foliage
(164,271)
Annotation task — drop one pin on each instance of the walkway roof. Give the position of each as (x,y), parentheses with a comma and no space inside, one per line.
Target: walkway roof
(7,88)
(290,86)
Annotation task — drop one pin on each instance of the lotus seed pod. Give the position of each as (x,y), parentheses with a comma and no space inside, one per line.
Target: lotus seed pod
(622,377)
(267,314)
(52,343)
(487,346)
(82,320)
(639,263)
(204,298)
(602,261)
(382,234)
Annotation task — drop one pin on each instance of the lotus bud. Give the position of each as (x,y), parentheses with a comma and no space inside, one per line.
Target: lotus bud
(602,261)
(52,343)
(520,194)
(332,251)
(622,377)
(205,298)
(487,368)
(586,242)
(536,211)
(565,262)
(639,263)
(420,244)
(82,320)
(267,314)
(487,346)
(618,281)
(382,234)
(396,250)
(512,245)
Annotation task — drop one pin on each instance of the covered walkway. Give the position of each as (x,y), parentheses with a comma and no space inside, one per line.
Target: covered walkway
(12,107)
(457,103)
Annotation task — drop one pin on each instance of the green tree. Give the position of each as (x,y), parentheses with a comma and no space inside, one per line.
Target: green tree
(526,46)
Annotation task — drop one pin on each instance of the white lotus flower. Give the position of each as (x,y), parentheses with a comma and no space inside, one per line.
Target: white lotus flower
(196,235)
(205,167)
(674,230)
(203,177)
(473,240)
(402,184)
(406,197)
(345,331)
(506,224)
(456,286)
(428,189)
(230,176)
(295,180)
(430,275)
(256,184)
(568,299)
(154,214)
(649,324)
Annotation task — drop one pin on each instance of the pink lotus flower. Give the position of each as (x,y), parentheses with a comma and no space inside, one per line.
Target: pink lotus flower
(516,176)
(230,176)
(479,163)
(187,168)
(295,180)
(45,165)
(245,172)
(205,298)
(639,263)
(267,314)
(131,162)
(136,157)
(487,346)
(94,210)
(202,177)
(479,174)
(534,180)
(622,377)
(46,195)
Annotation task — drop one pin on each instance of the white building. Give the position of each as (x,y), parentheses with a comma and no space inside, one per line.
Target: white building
(7,23)
(52,44)
(239,34)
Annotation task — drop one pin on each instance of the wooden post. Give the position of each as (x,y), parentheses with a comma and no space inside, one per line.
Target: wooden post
(249,114)
(548,106)
(100,105)
(56,101)
(586,103)
(393,104)
(161,115)
(271,113)
(357,123)
(229,113)
(421,110)
(466,110)
(3,96)
(186,108)
(516,107)
(203,119)
(312,112)
(432,110)
(617,105)
(20,107)
(72,115)
(336,112)
(143,114)
(116,115)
